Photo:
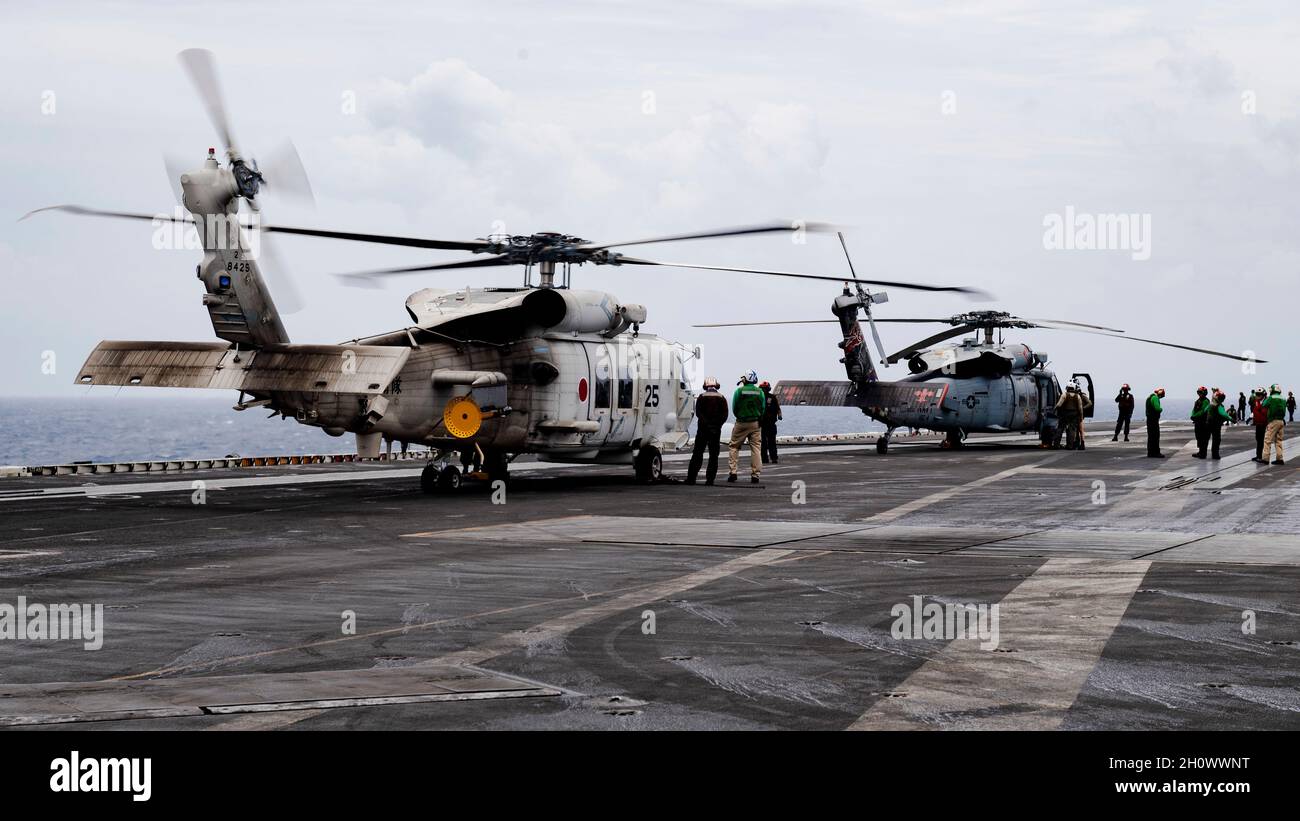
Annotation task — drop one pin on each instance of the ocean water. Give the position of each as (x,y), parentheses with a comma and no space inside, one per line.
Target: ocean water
(120,427)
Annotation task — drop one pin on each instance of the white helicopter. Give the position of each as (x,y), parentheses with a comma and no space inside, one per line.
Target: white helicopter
(483,374)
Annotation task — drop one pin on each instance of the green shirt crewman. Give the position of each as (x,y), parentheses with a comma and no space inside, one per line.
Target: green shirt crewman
(748,404)
(1154,410)
(1200,419)
(1275,408)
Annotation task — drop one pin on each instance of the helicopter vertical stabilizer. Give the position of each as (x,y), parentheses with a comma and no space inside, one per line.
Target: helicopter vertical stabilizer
(237,299)
(857,357)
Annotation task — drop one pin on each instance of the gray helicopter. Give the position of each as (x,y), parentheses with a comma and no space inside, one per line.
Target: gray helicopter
(980,384)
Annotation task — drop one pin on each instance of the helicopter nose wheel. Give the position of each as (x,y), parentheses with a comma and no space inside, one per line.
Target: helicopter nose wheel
(952,440)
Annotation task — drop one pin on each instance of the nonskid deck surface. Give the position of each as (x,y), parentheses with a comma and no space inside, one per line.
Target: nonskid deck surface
(1131,593)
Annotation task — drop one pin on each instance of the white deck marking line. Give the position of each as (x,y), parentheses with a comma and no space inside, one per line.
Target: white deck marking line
(568,622)
(1092,471)
(556,627)
(943,495)
(1209,474)
(1056,624)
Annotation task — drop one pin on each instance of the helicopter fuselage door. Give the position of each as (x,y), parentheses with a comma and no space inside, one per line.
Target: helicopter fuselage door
(570,360)
(600,403)
(614,399)
(623,395)
(1025,413)
(972,399)
(1002,404)
(1048,392)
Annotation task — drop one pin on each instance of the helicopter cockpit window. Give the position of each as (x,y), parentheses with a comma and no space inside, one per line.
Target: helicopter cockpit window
(624,386)
(602,383)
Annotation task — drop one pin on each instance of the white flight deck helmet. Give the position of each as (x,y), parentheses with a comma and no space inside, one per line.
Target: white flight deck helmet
(711,383)
(750,378)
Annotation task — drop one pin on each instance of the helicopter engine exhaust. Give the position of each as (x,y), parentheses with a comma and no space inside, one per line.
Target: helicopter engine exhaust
(580,311)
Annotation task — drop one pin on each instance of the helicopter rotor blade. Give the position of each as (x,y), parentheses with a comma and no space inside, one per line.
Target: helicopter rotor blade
(368,278)
(285,174)
(1048,322)
(772,322)
(806,322)
(743,230)
(175,166)
(412,242)
(201,67)
(917,347)
(409,242)
(1234,356)
(279,278)
(972,292)
(83,211)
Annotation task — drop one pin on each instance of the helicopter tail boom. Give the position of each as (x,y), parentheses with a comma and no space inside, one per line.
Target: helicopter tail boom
(880,400)
(315,369)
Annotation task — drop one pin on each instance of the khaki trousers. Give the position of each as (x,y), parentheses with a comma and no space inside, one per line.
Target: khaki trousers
(1273,435)
(739,433)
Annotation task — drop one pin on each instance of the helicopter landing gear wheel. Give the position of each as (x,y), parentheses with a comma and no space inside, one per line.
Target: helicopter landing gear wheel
(882,442)
(429,479)
(952,440)
(449,478)
(649,465)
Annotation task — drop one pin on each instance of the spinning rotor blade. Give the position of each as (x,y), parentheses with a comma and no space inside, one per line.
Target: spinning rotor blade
(366,278)
(917,347)
(973,292)
(278,229)
(175,167)
(410,242)
(1047,322)
(802,322)
(279,279)
(81,210)
(285,174)
(1237,357)
(201,67)
(770,228)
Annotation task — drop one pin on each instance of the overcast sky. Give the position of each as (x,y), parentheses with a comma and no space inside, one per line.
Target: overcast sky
(942,135)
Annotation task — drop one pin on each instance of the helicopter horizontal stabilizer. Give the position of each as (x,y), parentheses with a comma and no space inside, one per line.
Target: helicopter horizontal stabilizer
(358,369)
(883,397)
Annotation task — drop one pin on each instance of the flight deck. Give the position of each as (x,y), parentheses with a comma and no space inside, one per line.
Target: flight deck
(1131,593)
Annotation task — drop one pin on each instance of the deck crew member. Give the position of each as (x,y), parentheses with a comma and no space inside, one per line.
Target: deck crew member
(1200,409)
(1214,420)
(771,415)
(747,404)
(1069,413)
(710,416)
(1154,410)
(1124,401)
(1259,418)
(1275,406)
